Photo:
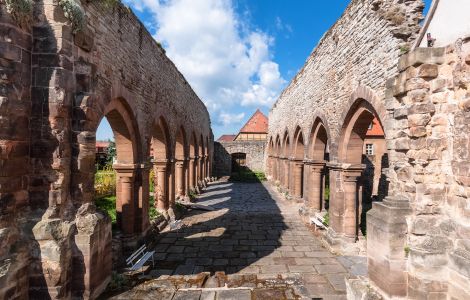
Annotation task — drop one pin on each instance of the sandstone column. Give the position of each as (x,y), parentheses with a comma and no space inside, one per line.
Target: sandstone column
(297,180)
(187,167)
(191,172)
(179,174)
(351,178)
(315,185)
(125,206)
(161,196)
(286,173)
(171,184)
(142,215)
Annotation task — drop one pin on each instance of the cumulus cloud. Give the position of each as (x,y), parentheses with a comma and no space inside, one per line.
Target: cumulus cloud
(230,119)
(227,62)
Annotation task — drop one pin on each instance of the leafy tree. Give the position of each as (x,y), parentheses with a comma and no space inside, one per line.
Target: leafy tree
(111,152)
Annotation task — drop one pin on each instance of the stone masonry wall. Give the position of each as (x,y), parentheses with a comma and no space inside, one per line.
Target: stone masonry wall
(56,86)
(361,49)
(254,151)
(430,100)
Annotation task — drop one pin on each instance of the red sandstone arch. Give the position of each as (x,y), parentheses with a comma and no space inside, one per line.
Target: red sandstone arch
(297,166)
(162,168)
(284,168)
(319,140)
(180,147)
(286,144)
(180,168)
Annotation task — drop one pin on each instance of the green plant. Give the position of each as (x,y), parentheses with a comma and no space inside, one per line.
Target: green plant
(153,212)
(118,281)
(247,175)
(326,219)
(105,182)
(74,12)
(192,195)
(407,250)
(21,10)
(107,204)
(404,49)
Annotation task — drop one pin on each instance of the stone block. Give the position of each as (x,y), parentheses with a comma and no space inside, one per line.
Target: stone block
(428,71)
(422,56)
(418,120)
(421,108)
(418,131)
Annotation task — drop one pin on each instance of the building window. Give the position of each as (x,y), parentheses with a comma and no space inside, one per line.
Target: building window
(371,125)
(369,149)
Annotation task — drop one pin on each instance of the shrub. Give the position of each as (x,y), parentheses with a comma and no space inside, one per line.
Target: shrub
(246,175)
(21,10)
(108,205)
(326,219)
(74,12)
(105,182)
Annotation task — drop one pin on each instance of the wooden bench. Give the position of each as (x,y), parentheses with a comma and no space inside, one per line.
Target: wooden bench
(138,259)
(318,220)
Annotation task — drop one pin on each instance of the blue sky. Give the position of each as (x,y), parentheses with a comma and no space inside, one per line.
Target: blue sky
(237,55)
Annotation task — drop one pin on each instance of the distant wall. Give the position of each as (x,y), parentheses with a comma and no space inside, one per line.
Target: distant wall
(222,155)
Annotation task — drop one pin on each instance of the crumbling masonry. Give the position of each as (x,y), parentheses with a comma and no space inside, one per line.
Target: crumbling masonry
(58,80)
(418,237)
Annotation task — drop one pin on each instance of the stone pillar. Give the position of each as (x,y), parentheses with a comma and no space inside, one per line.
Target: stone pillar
(297,180)
(125,206)
(161,196)
(286,173)
(179,174)
(352,203)
(187,167)
(171,184)
(192,173)
(386,241)
(315,185)
(142,215)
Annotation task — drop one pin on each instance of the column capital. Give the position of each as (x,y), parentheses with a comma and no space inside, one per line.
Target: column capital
(125,170)
(353,172)
(179,163)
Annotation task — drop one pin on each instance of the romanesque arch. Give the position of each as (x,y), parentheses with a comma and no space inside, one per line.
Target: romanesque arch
(297,164)
(160,151)
(193,159)
(348,216)
(180,161)
(285,160)
(316,164)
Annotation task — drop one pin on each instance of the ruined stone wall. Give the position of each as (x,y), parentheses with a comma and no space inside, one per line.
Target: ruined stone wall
(254,151)
(56,86)
(429,151)
(361,50)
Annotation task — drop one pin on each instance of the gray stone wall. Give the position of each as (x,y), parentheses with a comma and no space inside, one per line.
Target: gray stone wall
(361,50)
(254,151)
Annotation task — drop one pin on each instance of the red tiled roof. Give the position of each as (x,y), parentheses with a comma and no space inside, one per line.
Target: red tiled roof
(102,144)
(227,138)
(258,123)
(376,129)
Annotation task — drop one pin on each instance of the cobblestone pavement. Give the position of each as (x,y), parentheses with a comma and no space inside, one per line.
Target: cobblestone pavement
(252,235)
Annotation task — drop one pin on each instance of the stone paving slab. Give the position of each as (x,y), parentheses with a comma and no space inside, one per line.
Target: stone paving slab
(252,232)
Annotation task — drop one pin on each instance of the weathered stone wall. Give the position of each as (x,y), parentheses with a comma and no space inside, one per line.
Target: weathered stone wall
(254,151)
(361,50)
(430,143)
(56,86)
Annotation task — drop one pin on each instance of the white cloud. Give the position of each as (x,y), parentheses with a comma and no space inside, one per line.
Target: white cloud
(231,119)
(225,61)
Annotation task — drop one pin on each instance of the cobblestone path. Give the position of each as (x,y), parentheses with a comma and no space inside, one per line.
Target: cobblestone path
(252,235)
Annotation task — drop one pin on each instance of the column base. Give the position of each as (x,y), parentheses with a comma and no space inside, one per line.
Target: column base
(361,288)
(344,245)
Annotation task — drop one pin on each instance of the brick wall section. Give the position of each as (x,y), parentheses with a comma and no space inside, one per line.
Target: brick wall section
(361,49)
(222,155)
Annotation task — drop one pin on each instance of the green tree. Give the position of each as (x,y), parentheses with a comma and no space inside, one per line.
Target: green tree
(111,152)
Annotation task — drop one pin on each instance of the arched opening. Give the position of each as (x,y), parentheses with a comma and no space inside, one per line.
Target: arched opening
(180,156)
(159,152)
(285,161)
(202,160)
(270,159)
(277,164)
(238,162)
(362,147)
(207,167)
(297,164)
(193,152)
(117,181)
(319,179)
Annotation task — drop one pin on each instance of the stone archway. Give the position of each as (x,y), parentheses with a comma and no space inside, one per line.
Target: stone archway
(180,161)
(270,160)
(202,159)
(284,169)
(193,161)
(161,164)
(297,165)
(318,177)
(347,203)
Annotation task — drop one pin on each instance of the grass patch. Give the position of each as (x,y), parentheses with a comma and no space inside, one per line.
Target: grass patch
(107,204)
(248,176)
